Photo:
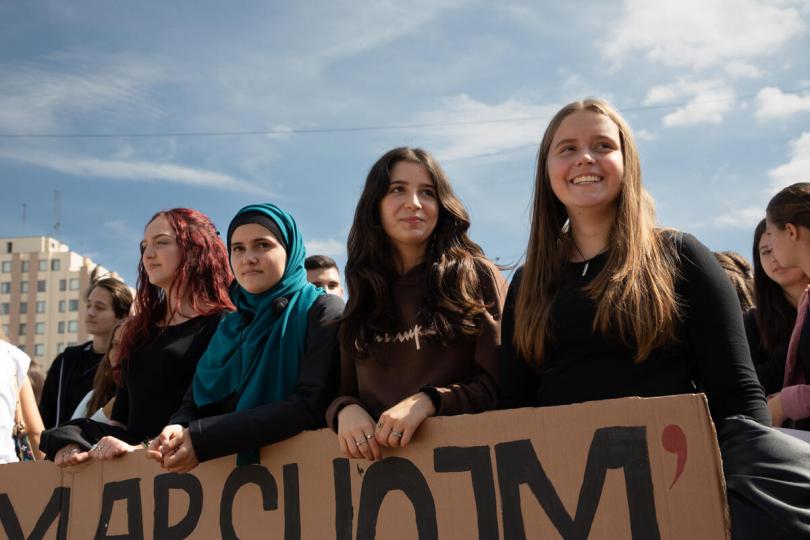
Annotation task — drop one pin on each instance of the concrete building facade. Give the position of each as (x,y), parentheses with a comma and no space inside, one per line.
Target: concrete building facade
(42,295)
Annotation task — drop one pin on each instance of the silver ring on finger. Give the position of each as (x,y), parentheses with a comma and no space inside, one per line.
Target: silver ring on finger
(361,443)
(369,437)
(395,433)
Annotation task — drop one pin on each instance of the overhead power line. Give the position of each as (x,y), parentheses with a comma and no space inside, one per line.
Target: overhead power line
(348,129)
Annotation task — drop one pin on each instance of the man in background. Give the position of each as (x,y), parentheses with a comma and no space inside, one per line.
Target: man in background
(322,271)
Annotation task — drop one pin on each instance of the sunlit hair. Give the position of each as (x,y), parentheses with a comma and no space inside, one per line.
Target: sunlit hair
(791,205)
(634,293)
(775,315)
(119,291)
(739,273)
(453,302)
(202,278)
(105,382)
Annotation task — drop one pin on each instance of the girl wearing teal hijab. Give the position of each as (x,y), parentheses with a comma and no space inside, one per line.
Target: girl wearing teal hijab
(270,370)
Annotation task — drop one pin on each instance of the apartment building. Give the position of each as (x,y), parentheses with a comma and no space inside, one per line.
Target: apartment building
(42,287)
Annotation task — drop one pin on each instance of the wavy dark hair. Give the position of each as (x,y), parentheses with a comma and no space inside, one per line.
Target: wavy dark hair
(739,274)
(453,302)
(105,381)
(202,277)
(774,314)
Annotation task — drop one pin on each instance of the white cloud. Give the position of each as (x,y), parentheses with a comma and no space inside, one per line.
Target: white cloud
(772,103)
(795,170)
(741,218)
(141,171)
(48,94)
(504,126)
(737,68)
(708,101)
(329,246)
(700,34)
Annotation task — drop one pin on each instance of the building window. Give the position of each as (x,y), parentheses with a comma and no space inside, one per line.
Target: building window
(42,265)
(5,329)
(62,285)
(23,308)
(6,267)
(9,247)
(62,305)
(25,265)
(5,287)
(40,307)
(23,328)
(61,327)
(39,349)
(60,347)
(73,326)
(74,284)
(24,287)
(56,265)
(5,308)
(41,285)
(73,305)
(21,347)
(39,329)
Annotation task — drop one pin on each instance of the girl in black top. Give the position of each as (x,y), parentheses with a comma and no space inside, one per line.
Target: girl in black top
(609,306)
(272,367)
(182,293)
(777,290)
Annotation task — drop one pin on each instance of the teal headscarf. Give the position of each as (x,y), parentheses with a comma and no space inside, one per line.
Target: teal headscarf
(255,353)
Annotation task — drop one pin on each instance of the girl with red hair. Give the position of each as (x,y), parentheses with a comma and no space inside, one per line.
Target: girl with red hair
(183,280)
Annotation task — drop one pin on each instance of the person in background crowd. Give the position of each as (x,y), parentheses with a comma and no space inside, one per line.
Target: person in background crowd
(322,271)
(98,403)
(788,230)
(71,374)
(183,280)
(608,306)
(420,333)
(739,273)
(272,367)
(777,290)
(16,402)
(36,374)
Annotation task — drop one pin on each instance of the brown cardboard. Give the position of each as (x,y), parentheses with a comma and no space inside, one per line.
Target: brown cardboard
(462,477)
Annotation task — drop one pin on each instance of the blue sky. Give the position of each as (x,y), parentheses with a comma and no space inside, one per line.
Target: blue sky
(718,93)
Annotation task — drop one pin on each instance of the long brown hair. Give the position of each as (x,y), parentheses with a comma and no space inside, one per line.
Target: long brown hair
(104,382)
(202,276)
(634,293)
(453,302)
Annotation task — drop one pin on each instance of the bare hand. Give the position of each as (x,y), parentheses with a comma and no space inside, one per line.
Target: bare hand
(777,413)
(110,448)
(356,433)
(70,455)
(182,457)
(398,424)
(164,444)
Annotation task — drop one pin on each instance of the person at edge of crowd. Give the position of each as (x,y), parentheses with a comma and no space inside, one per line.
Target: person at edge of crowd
(16,395)
(271,368)
(740,274)
(70,376)
(322,271)
(98,403)
(420,333)
(768,325)
(573,331)
(36,374)
(182,294)
(787,221)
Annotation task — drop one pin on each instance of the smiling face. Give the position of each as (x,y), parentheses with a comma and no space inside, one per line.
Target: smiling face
(160,253)
(410,209)
(585,163)
(100,318)
(258,259)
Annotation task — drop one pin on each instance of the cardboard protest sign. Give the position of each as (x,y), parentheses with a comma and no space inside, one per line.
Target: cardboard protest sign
(627,468)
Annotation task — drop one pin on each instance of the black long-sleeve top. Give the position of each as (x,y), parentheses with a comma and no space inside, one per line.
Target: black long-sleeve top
(68,381)
(158,373)
(710,353)
(770,364)
(218,430)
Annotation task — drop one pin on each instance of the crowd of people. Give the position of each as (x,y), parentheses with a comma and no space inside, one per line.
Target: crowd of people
(231,346)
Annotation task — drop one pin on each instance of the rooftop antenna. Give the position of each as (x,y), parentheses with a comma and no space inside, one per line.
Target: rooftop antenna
(57,212)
